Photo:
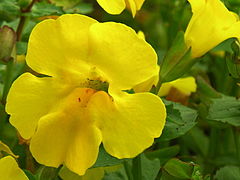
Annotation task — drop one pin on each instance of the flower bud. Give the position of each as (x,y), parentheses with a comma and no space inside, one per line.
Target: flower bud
(7,42)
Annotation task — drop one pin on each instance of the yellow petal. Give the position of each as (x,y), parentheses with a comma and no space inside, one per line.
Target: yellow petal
(5,148)
(139,3)
(197,5)
(112,6)
(132,6)
(141,35)
(59,46)
(185,85)
(128,122)
(9,169)
(146,85)
(210,24)
(124,58)
(29,99)
(67,135)
(21,58)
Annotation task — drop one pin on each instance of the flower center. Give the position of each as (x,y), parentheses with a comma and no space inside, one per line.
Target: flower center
(97,85)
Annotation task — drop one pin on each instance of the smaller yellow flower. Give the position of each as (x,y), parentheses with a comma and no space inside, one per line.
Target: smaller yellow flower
(9,169)
(117,6)
(211,24)
(6,149)
(185,85)
(21,58)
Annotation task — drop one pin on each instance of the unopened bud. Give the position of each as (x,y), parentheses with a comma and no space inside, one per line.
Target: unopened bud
(7,42)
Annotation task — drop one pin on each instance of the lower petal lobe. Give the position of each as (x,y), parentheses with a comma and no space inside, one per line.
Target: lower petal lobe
(128,122)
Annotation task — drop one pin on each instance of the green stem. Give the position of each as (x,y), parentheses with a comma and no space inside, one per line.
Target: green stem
(8,80)
(212,150)
(23,20)
(137,168)
(213,142)
(20,27)
(159,84)
(236,140)
(128,170)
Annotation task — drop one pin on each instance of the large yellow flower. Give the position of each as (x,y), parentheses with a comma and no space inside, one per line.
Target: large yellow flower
(117,6)
(210,24)
(82,100)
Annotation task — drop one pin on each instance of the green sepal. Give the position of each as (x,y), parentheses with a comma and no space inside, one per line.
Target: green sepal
(177,60)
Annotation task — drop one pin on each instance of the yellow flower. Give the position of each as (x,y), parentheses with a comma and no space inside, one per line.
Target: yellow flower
(117,6)
(21,58)
(82,101)
(9,169)
(141,35)
(210,25)
(185,85)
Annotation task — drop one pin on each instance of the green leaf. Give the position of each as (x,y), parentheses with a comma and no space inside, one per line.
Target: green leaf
(90,174)
(226,110)
(150,168)
(144,168)
(45,9)
(163,154)
(21,47)
(104,159)
(197,141)
(9,10)
(120,174)
(47,173)
(197,174)
(166,176)
(205,88)
(65,3)
(176,169)
(180,119)
(29,175)
(179,169)
(81,8)
(24,3)
(228,173)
